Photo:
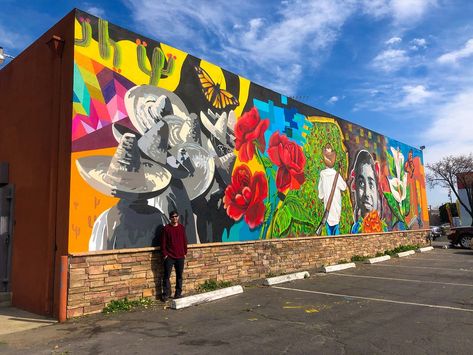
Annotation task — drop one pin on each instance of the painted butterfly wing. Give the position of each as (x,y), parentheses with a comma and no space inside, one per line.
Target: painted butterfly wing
(219,98)
(224,98)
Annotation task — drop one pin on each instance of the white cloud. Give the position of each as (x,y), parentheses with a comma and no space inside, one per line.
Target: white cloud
(415,95)
(333,100)
(11,40)
(278,79)
(255,39)
(391,60)
(402,11)
(394,40)
(417,43)
(94,10)
(375,8)
(451,131)
(267,47)
(410,10)
(454,56)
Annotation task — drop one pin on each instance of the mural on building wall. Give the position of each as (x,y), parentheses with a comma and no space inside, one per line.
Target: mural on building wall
(156,129)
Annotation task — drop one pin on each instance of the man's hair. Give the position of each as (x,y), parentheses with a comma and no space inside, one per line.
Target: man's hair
(173,213)
(363,157)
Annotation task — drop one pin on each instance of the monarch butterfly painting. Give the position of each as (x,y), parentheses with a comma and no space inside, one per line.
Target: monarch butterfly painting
(219,98)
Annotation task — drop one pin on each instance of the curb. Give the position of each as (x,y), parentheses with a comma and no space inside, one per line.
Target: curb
(423,250)
(338,267)
(206,297)
(285,278)
(377,259)
(405,253)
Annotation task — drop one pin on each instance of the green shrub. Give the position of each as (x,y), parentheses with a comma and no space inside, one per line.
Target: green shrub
(212,285)
(126,305)
(401,249)
(358,258)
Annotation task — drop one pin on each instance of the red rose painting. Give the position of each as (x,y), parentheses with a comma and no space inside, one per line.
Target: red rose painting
(248,130)
(245,195)
(290,159)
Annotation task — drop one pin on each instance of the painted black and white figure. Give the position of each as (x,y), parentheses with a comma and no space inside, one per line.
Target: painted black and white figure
(365,185)
(132,223)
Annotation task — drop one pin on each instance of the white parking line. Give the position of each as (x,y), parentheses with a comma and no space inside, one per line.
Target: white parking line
(422,267)
(375,299)
(449,260)
(404,280)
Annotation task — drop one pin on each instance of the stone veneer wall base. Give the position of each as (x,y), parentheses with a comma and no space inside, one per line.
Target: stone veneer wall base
(96,278)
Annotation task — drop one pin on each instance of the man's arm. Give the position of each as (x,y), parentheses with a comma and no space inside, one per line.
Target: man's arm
(342,185)
(163,244)
(321,187)
(185,241)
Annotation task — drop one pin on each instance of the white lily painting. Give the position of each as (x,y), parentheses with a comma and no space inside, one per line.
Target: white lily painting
(398,197)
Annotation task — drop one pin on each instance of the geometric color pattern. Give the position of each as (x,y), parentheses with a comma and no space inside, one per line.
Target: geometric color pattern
(97,98)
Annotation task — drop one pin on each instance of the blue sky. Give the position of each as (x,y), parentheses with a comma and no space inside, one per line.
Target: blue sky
(403,68)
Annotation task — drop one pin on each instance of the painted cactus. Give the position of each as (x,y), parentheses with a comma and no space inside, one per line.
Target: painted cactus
(157,63)
(86,33)
(106,44)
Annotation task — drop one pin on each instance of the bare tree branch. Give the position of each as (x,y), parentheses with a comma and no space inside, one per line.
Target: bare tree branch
(452,171)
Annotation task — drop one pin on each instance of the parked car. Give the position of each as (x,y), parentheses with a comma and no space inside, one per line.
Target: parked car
(461,236)
(435,232)
(439,231)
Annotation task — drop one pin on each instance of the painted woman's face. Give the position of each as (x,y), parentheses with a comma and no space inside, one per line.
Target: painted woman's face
(366,190)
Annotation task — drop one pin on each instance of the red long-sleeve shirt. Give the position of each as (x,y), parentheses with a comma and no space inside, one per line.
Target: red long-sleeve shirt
(174,241)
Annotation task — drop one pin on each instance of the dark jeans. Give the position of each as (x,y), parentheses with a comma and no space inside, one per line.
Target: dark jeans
(179,268)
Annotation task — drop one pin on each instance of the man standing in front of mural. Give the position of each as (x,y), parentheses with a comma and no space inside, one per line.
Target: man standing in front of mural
(173,250)
(366,192)
(331,184)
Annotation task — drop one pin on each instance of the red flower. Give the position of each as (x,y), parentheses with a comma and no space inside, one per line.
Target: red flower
(290,159)
(248,129)
(245,195)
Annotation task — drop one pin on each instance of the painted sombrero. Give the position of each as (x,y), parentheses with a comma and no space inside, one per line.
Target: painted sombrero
(125,174)
(147,104)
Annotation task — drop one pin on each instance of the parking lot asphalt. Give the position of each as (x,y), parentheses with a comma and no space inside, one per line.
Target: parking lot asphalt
(421,304)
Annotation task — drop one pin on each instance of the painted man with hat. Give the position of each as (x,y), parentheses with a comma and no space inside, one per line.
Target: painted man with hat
(331,184)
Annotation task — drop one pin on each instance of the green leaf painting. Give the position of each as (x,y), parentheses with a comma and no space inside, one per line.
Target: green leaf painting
(391,164)
(282,221)
(406,204)
(297,210)
(394,206)
(267,163)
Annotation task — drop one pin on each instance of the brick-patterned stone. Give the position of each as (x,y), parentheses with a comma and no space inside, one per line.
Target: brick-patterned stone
(75,312)
(96,279)
(95,269)
(149,292)
(94,309)
(112,267)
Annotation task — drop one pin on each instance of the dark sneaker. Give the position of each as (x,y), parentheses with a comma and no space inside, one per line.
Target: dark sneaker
(164,298)
(177,296)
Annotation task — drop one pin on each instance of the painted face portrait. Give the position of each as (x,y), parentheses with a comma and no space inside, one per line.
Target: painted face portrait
(364,185)
(366,189)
